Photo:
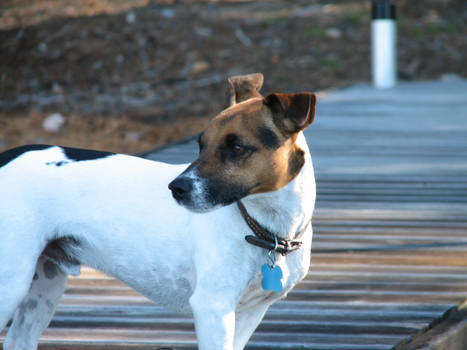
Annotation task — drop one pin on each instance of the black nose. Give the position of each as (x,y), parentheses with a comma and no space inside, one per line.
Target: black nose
(180,187)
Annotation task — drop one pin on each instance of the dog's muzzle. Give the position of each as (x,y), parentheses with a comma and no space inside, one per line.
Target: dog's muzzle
(191,193)
(199,194)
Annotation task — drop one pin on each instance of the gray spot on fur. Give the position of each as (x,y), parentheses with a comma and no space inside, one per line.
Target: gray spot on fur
(183,284)
(20,315)
(31,304)
(50,270)
(50,305)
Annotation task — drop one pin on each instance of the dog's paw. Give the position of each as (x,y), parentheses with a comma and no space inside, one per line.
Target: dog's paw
(271,278)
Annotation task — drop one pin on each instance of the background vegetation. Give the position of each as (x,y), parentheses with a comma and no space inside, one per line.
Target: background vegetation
(130,75)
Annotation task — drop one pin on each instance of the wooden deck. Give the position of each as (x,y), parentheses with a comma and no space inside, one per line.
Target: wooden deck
(389,253)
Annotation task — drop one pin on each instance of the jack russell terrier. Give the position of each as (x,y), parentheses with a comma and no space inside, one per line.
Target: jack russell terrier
(236,238)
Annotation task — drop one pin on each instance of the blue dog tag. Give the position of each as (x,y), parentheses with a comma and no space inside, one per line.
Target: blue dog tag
(271,278)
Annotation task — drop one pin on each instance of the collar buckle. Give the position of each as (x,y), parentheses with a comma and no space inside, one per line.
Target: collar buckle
(265,239)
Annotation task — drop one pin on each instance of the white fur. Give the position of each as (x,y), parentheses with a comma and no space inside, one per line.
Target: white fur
(128,225)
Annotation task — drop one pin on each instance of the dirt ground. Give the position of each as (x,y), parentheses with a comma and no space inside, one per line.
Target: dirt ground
(131,75)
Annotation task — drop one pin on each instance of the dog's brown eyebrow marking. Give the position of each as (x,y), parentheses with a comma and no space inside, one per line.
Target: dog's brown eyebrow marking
(268,138)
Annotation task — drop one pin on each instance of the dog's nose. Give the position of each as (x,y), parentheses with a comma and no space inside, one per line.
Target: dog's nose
(180,187)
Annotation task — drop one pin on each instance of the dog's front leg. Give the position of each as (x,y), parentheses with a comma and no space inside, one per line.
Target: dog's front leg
(214,321)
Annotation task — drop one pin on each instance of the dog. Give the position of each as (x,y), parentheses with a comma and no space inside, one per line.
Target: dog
(231,236)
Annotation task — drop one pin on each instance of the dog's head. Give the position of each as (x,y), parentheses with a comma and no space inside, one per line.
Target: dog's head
(248,148)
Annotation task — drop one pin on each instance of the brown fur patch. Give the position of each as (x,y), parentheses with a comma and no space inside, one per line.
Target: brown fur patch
(234,154)
(292,112)
(296,161)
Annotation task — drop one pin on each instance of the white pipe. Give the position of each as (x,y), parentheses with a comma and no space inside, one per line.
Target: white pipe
(383,45)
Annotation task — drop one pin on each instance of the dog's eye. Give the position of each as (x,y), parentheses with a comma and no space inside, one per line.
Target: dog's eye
(238,149)
(234,149)
(233,142)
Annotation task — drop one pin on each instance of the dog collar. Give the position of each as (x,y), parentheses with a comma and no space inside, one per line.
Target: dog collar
(265,239)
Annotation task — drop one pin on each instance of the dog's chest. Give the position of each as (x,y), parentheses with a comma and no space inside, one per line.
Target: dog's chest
(168,286)
(254,294)
(294,268)
(166,276)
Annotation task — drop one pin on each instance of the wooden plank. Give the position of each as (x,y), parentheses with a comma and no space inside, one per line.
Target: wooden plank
(418,258)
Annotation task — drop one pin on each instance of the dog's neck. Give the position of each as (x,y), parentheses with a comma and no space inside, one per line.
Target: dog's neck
(288,210)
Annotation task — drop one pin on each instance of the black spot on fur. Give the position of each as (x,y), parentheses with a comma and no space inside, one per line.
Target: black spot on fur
(59,252)
(78,154)
(59,163)
(50,270)
(7,156)
(268,138)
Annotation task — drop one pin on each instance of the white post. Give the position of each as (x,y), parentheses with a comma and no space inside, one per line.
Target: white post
(383,44)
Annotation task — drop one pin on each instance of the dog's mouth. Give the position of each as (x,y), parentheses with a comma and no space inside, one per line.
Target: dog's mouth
(201,195)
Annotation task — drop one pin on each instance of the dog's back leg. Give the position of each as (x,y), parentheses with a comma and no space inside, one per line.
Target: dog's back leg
(16,272)
(37,308)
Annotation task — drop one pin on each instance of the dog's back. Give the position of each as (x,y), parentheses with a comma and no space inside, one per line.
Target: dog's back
(73,205)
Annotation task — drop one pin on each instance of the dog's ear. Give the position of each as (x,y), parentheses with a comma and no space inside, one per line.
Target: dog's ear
(292,112)
(244,87)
